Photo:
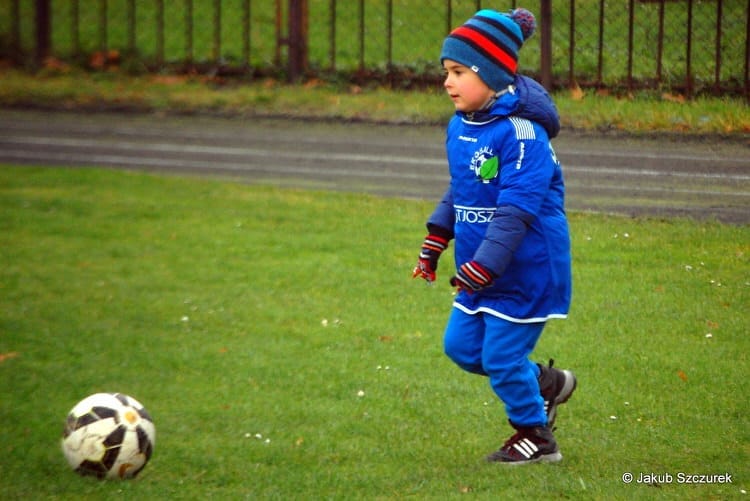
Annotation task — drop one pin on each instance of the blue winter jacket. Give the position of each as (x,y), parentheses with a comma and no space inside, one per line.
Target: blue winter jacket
(505,206)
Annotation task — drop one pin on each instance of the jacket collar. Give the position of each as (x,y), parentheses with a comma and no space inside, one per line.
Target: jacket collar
(502,104)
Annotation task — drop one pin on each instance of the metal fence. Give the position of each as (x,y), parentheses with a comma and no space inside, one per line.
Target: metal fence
(687,46)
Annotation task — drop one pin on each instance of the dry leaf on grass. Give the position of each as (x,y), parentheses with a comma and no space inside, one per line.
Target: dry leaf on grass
(9,355)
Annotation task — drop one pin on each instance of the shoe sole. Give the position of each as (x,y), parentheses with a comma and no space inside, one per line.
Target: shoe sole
(568,388)
(554,457)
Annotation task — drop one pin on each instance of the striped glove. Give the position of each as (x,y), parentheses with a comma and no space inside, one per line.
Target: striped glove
(472,277)
(427,265)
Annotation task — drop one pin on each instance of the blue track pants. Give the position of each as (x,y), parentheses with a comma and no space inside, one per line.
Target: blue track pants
(490,346)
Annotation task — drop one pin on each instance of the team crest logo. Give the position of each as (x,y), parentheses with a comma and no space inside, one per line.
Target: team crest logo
(484,164)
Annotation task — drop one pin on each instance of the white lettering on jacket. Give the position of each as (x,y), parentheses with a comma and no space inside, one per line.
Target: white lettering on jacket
(474,215)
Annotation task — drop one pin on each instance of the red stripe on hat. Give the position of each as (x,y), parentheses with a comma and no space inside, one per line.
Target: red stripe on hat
(486,45)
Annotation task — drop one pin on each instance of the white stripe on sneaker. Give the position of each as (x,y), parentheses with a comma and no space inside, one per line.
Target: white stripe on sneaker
(526,448)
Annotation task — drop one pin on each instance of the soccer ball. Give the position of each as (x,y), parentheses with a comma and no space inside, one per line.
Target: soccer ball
(108,435)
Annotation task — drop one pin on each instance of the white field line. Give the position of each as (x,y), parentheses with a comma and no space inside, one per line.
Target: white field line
(134,130)
(204,165)
(138,147)
(244,152)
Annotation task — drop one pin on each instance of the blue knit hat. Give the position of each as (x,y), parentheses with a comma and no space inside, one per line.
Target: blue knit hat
(488,43)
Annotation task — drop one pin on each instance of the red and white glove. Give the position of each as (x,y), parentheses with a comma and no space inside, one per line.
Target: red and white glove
(432,247)
(472,277)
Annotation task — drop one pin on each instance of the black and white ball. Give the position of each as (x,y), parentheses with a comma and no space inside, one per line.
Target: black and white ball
(108,435)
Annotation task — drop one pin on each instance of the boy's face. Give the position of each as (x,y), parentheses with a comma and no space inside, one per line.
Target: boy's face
(467,91)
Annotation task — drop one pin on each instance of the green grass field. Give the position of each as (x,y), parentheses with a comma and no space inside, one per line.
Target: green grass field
(285,353)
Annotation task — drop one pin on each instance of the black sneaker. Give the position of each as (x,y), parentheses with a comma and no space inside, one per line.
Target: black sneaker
(556,387)
(528,445)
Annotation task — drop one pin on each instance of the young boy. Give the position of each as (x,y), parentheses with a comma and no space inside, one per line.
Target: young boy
(505,209)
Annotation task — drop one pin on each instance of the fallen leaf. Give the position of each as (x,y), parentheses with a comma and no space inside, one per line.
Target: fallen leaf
(673,98)
(682,375)
(113,56)
(313,83)
(576,93)
(52,63)
(9,355)
(97,60)
(168,79)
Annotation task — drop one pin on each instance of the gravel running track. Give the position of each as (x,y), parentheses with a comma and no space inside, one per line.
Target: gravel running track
(663,177)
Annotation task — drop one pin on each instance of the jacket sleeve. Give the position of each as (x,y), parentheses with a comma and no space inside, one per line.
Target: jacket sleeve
(443,217)
(504,235)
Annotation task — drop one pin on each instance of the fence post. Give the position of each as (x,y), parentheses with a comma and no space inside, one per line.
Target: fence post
(74,29)
(297,38)
(102,13)
(42,30)
(130,16)
(216,44)
(160,33)
(189,32)
(631,22)
(546,43)
(747,53)
(332,36)
(572,45)
(246,34)
(689,52)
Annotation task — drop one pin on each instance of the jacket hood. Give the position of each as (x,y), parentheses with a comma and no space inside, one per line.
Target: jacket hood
(535,103)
